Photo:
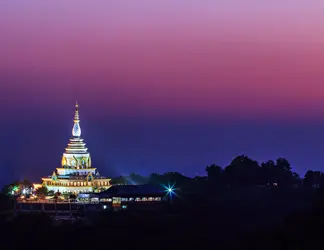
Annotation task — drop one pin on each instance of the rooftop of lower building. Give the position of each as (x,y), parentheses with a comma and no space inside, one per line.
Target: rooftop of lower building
(133,190)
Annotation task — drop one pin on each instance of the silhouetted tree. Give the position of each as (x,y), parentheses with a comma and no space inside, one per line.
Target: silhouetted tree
(180,181)
(138,179)
(155,179)
(313,179)
(296,178)
(283,172)
(119,180)
(283,164)
(278,173)
(215,174)
(175,177)
(268,173)
(242,171)
(7,189)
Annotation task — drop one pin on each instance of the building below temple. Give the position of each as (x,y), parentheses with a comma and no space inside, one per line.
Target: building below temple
(76,173)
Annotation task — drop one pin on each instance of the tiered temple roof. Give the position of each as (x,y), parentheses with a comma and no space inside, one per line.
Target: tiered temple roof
(76,173)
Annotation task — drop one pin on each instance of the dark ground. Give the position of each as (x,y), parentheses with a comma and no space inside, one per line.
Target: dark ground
(227,219)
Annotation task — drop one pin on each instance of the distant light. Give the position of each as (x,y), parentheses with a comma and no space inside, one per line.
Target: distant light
(104,207)
(170,190)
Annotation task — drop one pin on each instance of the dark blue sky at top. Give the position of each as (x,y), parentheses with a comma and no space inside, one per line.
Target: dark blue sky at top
(32,144)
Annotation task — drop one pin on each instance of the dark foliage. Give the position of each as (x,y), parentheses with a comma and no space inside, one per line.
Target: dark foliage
(245,205)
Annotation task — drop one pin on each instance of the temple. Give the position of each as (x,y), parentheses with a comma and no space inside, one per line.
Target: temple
(76,173)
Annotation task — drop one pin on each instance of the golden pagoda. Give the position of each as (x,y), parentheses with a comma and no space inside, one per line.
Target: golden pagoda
(76,173)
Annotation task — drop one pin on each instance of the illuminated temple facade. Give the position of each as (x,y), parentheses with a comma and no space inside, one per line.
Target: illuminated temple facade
(76,173)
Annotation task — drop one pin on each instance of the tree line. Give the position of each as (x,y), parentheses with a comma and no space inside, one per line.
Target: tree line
(241,172)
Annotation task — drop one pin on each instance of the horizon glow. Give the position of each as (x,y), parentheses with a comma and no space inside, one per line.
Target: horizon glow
(235,58)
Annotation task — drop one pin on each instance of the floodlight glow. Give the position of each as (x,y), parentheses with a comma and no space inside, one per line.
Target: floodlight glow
(170,190)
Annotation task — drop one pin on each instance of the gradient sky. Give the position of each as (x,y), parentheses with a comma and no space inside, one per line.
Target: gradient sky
(162,85)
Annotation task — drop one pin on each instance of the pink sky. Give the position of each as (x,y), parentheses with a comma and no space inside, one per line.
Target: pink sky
(236,57)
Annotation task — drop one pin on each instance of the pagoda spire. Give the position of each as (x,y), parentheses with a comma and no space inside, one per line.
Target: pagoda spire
(76,114)
(76,130)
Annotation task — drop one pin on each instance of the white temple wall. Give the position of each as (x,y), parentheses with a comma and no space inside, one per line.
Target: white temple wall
(68,171)
(72,190)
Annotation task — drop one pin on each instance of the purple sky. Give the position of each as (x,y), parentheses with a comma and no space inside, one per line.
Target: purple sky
(162,85)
